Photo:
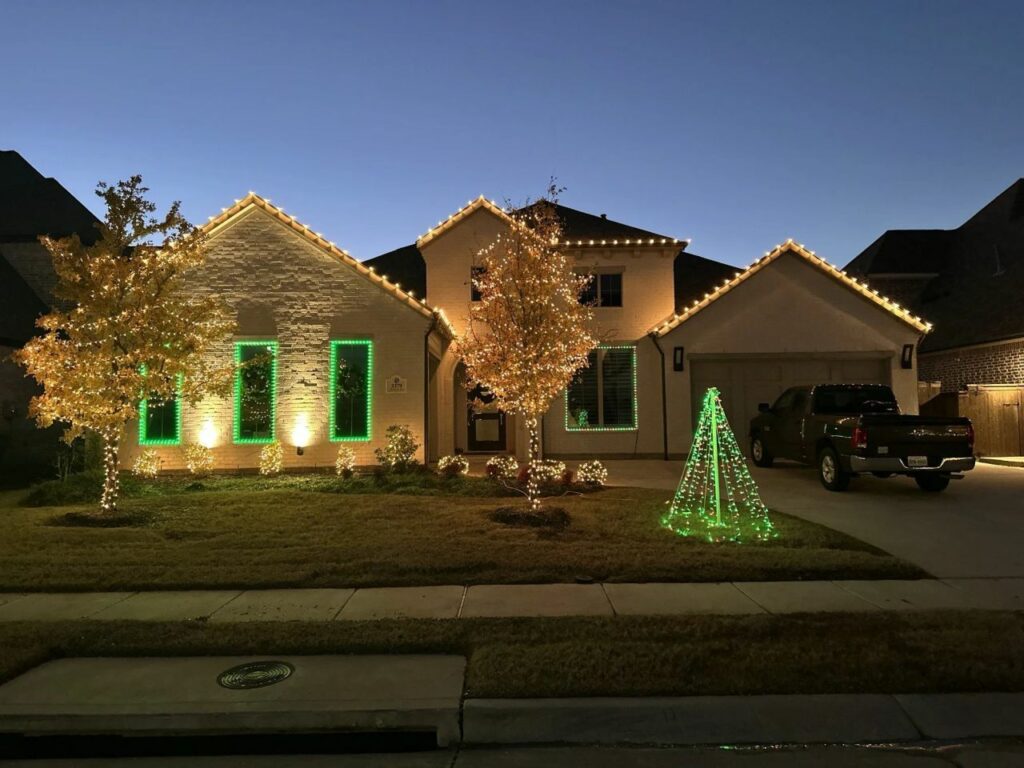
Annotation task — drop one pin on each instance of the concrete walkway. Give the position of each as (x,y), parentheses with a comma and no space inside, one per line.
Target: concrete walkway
(527,600)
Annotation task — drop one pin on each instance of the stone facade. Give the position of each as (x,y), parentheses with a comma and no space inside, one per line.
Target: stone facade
(286,288)
(999,363)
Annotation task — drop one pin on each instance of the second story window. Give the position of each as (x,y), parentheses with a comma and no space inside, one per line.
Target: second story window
(474,274)
(605,290)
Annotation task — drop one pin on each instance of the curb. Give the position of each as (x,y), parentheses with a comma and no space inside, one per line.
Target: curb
(704,720)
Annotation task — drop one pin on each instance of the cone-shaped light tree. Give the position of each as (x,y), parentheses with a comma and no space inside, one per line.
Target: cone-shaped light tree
(529,333)
(123,330)
(717,498)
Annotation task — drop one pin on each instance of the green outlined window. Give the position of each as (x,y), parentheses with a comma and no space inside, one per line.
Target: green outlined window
(351,390)
(255,391)
(602,396)
(160,420)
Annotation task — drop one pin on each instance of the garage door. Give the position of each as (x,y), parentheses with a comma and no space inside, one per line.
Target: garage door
(744,381)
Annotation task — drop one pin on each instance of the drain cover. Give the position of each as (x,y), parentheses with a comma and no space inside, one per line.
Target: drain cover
(255,674)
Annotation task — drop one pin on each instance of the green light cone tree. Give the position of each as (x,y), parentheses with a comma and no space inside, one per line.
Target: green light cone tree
(717,498)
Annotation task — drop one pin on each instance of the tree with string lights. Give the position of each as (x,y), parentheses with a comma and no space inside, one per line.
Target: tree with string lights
(717,498)
(123,330)
(529,333)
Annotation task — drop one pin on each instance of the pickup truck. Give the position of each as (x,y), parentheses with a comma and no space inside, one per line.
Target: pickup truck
(848,429)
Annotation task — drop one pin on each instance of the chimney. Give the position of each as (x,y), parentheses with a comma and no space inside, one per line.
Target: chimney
(604,215)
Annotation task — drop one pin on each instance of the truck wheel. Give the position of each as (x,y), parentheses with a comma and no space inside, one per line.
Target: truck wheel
(932,483)
(831,471)
(760,454)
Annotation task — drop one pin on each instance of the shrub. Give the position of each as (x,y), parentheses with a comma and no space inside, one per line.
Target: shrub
(592,473)
(198,458)
(271,459)
(345,464)
(503,468)
(398,454)
(147,464)
(79,488)
(452,466)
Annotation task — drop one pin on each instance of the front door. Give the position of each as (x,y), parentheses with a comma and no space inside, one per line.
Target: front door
(486,423)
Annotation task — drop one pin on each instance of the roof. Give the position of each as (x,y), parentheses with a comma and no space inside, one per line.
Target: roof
(404,265)
(970,279)
(810,257)
(252,200)
(580,228)
(21,307)
(695,275)
(32,205)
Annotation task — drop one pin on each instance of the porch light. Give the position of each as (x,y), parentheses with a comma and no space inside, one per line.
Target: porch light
(208,434)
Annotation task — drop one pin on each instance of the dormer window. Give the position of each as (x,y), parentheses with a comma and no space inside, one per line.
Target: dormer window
(605,290)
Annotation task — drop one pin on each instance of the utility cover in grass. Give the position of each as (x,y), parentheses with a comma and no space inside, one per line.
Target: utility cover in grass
(717,499)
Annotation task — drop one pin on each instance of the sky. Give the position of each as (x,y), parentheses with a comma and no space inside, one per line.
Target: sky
(736,124)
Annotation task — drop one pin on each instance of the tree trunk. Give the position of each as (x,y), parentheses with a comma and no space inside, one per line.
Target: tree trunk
(532,449)
(111,483)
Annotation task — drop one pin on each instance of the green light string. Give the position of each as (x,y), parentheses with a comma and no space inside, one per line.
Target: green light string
(716,464)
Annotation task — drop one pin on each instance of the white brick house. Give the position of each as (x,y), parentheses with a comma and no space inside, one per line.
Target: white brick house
(350,348)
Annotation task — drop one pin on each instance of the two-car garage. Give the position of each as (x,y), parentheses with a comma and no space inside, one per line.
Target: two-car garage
(789,319)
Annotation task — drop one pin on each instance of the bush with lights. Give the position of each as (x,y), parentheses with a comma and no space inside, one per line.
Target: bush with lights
(271,459)
(399,454)
(452,466)
(592,473)
(147,464)
(198,459)
(503,468)
(544,472)
(345,464)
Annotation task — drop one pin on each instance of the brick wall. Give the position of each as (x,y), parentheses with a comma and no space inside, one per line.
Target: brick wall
(992,364)
(285,288)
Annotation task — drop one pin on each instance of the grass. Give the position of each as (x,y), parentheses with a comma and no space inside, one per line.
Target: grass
(230,536)
(624,656)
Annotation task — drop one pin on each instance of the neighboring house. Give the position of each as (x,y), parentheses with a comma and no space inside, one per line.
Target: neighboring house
(969,281)
(30,205)
(672,323)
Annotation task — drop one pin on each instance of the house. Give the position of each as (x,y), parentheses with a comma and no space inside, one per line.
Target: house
(969,281)
(30,205)
(672,323)
(345,348)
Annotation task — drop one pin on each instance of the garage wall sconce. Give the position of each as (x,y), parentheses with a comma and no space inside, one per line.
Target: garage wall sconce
(907,358)
(677,358)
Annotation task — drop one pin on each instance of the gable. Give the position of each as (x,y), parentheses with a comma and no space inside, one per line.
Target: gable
(218,226)
(791,308)
(853,285)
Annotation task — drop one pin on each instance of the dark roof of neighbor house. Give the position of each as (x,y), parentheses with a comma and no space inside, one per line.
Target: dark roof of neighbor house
(32,205)
(20,305)
(972,277)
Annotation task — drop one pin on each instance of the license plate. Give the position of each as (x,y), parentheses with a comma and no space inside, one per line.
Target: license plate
(917,461)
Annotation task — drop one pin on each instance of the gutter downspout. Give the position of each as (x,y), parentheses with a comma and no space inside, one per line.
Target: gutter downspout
(664,398)
(426,390)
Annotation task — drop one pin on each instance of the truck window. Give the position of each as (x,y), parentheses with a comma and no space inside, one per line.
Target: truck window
(854,400)
(785,400)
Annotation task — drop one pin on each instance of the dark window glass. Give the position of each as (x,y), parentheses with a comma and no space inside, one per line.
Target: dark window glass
(785,400)
(352,364)
(474,274)
(588,296)
(854,400)
(160,420)
(618,388)
(603,395)
(611,290)
(581,396)
(255,391)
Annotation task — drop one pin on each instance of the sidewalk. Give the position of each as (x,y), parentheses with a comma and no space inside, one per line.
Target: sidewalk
(525,600)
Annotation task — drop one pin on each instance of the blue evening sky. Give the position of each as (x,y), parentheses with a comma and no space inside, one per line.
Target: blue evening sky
(735,123)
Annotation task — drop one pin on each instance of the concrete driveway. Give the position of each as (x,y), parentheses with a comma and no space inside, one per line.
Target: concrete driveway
(974,529)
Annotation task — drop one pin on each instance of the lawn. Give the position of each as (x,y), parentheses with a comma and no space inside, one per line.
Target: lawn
(244,532)
(622,656)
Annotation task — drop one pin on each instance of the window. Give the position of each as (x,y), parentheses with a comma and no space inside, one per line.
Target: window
(351,402)
(160,421)
(602,396)
(474,274)
(605,290)
(255,391)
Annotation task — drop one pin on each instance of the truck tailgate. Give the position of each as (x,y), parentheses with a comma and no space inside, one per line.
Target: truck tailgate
(934,437)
